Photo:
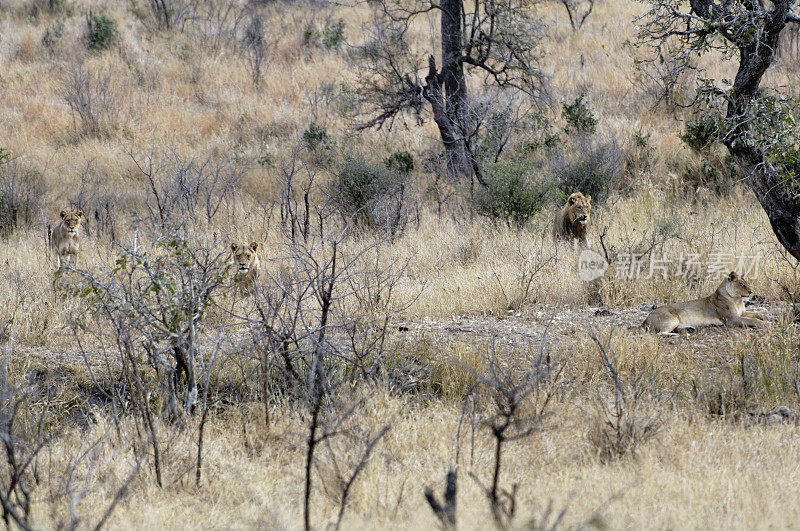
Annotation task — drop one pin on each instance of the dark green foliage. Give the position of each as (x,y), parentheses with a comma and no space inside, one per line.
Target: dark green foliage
(101,32)
(370,193)
(579,116)
(315,136)
(358,182)
(333,34)
(700,133)
(512,195)
(401,161)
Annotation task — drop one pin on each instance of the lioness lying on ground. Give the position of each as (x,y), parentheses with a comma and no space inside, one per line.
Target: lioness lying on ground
(246,264)
(65,238)
(573,219)
(724,308)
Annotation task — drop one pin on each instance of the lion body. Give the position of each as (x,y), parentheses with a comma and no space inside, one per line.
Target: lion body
(725,307)
(572,221)
(246,265)
(65,238)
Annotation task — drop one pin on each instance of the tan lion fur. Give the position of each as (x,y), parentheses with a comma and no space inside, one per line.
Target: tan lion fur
(572,221)
(725,307)
(66,238)
(246,264)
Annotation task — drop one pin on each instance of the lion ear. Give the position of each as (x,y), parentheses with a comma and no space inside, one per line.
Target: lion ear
(254,245)
(63,214)
(79,213)
(588,199)
(234,246)
(732,276)
(571,200)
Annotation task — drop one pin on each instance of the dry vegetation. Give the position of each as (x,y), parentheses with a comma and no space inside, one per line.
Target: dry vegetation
(424,333)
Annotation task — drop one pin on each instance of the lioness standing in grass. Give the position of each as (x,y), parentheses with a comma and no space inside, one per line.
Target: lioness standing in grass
(246,265)
(724,308)
(65,238)
(572,220)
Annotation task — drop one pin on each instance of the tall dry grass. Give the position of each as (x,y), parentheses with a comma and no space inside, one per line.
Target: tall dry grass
(716,462)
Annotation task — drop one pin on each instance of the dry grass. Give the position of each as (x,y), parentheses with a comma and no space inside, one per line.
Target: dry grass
(698,473)
(172,91)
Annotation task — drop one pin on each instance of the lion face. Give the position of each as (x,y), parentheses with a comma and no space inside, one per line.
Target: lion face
(736,286)
(579,208)
(245,257)
(71,221)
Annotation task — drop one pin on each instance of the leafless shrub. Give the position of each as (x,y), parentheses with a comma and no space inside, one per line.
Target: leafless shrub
(520,394)
(188,189)
(167,14)
(91,98)
(99,205)
(219,23)
(20,449)
(305,211)
(627,415)
(520,291)
(322,327)
(446,512)
(728,395)
(21,192)
(665,82)
(578,13)
(29,425)
(255,47)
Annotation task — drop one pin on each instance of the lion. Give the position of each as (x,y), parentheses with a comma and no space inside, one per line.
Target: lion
(65,238)
(246,264)
(573,219)
(724,308)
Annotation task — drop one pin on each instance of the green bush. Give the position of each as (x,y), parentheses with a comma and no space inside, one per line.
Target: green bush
(401,161)
(371,193)
(333,34)
(579,116)
(511,195)
(101,32)
(588,166)
(700,133)
(789,160)
(315,136)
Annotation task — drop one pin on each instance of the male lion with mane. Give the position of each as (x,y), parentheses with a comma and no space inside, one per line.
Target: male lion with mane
(573,219)
(246,265)
(65,238)
(724,308)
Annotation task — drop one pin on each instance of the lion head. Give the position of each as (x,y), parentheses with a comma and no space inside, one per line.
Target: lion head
(735,286)
(245,258)
(71,221)
(578,209)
